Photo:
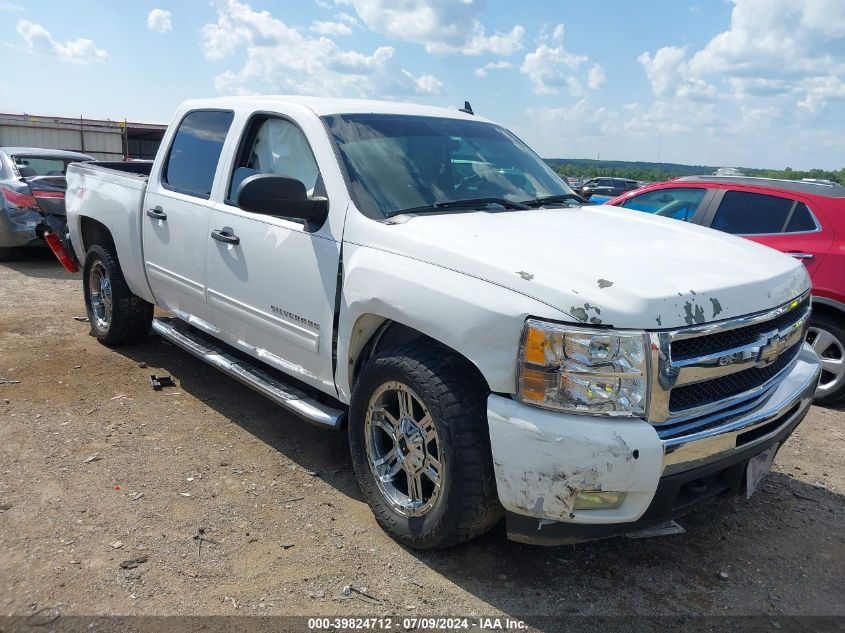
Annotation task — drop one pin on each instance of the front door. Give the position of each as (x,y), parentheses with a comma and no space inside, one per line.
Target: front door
(176,213)
(272,282)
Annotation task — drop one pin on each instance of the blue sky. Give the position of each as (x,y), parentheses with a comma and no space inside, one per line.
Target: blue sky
(759,83)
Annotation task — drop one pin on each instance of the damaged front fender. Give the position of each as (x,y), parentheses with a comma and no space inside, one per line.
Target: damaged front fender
(543,460)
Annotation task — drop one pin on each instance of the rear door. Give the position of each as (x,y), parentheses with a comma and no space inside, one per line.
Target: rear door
(177,209)
(782,221)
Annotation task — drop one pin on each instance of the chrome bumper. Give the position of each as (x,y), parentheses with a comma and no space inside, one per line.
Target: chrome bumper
(785,405)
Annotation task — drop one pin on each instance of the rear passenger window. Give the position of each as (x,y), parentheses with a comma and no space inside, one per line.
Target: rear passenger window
(196,151)
(743,213)
(801,220)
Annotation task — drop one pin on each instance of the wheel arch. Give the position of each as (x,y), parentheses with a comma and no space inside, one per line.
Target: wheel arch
(830,307)
(94,232)
(373,333)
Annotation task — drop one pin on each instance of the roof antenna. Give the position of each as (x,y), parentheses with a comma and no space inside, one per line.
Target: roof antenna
(467,108)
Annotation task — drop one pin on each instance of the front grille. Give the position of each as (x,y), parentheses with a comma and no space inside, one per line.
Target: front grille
(711,391)
(702,376)
(720,341)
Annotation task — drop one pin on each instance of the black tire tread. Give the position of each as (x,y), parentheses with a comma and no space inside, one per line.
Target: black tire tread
(132,316)
(457,397)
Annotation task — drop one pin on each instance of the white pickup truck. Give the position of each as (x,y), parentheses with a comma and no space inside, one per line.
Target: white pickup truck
(420,277)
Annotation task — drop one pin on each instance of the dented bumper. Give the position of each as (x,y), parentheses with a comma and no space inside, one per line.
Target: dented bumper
(543,460)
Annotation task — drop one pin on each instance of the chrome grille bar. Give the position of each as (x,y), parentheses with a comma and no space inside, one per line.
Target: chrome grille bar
(767,345)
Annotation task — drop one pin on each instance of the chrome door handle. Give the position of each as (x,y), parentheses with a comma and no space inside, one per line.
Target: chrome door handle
(801,255)
(224,236)
(157,213)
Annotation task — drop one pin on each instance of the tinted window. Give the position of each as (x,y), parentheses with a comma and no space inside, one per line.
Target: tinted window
(195,152)
(801,220)
(743,213)
(276,146)
(680,204)
(605,182)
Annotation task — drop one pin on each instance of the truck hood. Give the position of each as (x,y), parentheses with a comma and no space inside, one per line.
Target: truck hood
(605,265)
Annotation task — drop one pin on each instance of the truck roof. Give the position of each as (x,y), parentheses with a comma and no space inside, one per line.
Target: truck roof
(323,106)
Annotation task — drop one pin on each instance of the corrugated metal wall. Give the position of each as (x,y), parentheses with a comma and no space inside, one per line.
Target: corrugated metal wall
(102,139)
(102,142)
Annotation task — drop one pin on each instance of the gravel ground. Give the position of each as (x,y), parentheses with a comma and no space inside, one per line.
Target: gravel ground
(237,508)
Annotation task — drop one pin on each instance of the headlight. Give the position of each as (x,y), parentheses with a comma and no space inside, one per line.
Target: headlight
(583,370)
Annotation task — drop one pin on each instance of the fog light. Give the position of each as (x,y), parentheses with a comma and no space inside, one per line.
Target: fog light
(598,500)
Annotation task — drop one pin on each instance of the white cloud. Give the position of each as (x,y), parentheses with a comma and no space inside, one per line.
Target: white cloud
(8,6)
(330,28)
(159,21)
(772,48)
(441,26)
(426,84)
(484,70)
(281,59)
(596,77)
(551,68)
(39,40)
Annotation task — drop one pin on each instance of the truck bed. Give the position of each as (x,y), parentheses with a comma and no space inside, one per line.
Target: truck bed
(112,194)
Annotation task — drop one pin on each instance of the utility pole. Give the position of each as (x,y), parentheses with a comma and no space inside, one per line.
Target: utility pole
(598,156)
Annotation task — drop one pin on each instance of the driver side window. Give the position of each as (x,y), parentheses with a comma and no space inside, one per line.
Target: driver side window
(275,146)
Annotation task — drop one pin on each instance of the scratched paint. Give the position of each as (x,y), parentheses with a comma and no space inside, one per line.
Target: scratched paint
(717,307)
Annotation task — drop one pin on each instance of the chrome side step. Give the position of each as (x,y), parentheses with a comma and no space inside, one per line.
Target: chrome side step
(292,399)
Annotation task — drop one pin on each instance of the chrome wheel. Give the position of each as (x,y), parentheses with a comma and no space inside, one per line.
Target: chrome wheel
(403,449)
(832,356)
(100,296)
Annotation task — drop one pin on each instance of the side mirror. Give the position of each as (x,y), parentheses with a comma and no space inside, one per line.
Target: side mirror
(269,194)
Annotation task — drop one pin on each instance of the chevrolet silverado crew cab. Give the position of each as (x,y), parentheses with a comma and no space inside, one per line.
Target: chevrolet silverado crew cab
(420,277)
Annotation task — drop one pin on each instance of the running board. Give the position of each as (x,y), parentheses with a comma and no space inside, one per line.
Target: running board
(249,374)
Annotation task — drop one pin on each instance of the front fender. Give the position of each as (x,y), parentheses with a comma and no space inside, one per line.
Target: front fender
(478,319)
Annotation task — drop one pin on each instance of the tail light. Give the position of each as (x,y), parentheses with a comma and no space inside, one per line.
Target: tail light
(22,200)
(49,194)
(64,258)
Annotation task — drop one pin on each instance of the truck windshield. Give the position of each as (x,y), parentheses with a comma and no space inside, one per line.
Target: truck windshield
(398,162)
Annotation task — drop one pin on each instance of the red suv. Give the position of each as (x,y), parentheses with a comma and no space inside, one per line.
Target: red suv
(803,219)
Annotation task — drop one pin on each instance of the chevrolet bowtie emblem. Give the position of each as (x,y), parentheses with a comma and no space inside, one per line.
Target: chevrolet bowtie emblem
(772,346)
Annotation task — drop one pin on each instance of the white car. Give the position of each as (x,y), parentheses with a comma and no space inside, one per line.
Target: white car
(420,277)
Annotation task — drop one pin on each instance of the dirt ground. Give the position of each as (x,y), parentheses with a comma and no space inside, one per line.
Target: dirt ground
(241,509)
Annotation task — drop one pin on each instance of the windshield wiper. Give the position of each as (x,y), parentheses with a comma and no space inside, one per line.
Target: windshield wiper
(466,203)
(561,197)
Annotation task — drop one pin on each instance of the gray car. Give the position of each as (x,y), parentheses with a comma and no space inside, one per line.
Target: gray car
(32,183)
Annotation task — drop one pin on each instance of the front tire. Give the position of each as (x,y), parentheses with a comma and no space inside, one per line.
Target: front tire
(117,316)
(826,335)
(420,446)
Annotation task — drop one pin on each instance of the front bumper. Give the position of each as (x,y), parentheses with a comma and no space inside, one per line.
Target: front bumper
(543,460)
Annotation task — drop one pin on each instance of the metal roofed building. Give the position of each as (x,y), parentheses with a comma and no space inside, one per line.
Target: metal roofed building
(103,139)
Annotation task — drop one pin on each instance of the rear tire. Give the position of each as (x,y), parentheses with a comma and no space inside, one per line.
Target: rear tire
(439,434)
(827,337)
(117,316)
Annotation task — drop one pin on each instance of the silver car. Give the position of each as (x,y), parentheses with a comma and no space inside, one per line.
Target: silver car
(32,182)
